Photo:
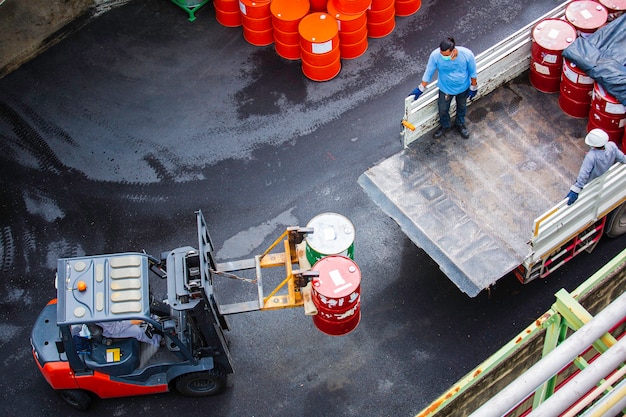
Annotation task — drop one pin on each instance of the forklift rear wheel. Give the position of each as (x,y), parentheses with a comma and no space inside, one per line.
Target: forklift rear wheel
(616,222)
(76,398)
(201,384)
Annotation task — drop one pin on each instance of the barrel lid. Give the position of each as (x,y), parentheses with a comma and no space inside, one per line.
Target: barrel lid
(339,276)
(332,233)
(290,10)
(614,5)
(554,34)
(318,27)
(586,14)
(339,15)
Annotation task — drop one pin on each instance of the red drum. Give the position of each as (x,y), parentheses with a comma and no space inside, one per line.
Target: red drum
(586,16)
(549,38)
(336,293)
(607,114)
(576,91)
(616,8)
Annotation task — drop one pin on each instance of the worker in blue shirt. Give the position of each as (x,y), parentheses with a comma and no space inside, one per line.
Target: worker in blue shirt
(456,67)
(602,155)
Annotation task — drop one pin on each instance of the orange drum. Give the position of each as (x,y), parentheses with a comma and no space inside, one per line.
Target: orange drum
(407,7)
(319,44)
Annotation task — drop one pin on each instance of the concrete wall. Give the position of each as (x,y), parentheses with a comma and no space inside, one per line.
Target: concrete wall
(29,27)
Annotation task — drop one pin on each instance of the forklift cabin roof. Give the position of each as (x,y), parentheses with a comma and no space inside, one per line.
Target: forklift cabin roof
(102,288)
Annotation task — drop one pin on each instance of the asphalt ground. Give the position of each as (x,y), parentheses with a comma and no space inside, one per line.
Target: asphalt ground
(112,138)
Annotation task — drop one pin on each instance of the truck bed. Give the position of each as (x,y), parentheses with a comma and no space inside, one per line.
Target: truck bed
(470,204)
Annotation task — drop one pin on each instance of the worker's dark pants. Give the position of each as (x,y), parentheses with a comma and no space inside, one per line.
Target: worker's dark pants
(444,108)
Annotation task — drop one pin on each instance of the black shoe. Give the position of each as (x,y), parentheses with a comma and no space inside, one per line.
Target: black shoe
(462,131)
(440,132)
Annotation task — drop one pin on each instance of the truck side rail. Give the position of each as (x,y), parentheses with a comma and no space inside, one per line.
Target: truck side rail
(539,343)
(497,65)
(562,222)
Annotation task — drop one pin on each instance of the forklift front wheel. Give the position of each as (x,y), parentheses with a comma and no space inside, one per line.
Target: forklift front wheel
(76,398)
(201,384)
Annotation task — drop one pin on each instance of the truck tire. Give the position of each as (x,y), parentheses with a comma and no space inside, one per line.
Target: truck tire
(616,222)
(201,384)
(76,398)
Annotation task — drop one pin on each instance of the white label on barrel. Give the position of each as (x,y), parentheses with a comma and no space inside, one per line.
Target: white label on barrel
(338,280)
(242,7)
(586,14)
(322,48)
(570,74)
(550,58)
(622,123)
(542,69)
(614,108)
(585,79)
(553,33)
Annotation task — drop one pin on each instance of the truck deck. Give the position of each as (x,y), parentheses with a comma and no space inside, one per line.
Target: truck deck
(470,204)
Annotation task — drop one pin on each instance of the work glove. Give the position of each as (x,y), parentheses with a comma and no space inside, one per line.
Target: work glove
(472,92)
(571,197)
(417,91)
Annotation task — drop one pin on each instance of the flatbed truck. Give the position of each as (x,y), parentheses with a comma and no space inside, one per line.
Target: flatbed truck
(494,204)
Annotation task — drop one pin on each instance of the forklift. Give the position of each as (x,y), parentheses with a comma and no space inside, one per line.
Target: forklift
(192,358)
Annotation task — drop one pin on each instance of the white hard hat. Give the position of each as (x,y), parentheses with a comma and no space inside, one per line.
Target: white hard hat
(597,138)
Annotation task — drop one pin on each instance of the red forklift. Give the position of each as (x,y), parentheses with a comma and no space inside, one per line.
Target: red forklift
(80,362)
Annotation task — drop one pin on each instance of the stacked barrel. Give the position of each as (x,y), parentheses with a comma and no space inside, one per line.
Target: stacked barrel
(336,291)
(319,46)
(301,29)
(549,38)
(352,30)
(286,16)
(257,22)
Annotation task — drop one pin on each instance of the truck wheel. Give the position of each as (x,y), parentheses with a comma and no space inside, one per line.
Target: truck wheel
(76,398)
(616,222)
(201,384)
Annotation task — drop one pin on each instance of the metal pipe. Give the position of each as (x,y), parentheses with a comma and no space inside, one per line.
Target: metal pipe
(582,383)
(604,386)
(553,362)
(611,404)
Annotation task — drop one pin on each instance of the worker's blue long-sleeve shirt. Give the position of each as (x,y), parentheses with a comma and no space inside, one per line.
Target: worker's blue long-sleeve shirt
(596,163)
(454,76)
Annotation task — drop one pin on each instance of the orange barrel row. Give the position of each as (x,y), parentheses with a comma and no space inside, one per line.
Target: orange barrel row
(407,7)
(607,113)
(576,91)
(352,31)
(586,16)
(549,38)
(286,16)
(615,8)
(256,20)
(319,46)
(336,293)
(381,18)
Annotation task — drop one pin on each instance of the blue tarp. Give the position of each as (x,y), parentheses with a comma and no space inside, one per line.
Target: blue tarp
(602,56)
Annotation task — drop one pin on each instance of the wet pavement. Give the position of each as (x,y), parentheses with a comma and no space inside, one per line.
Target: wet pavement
(112,139)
